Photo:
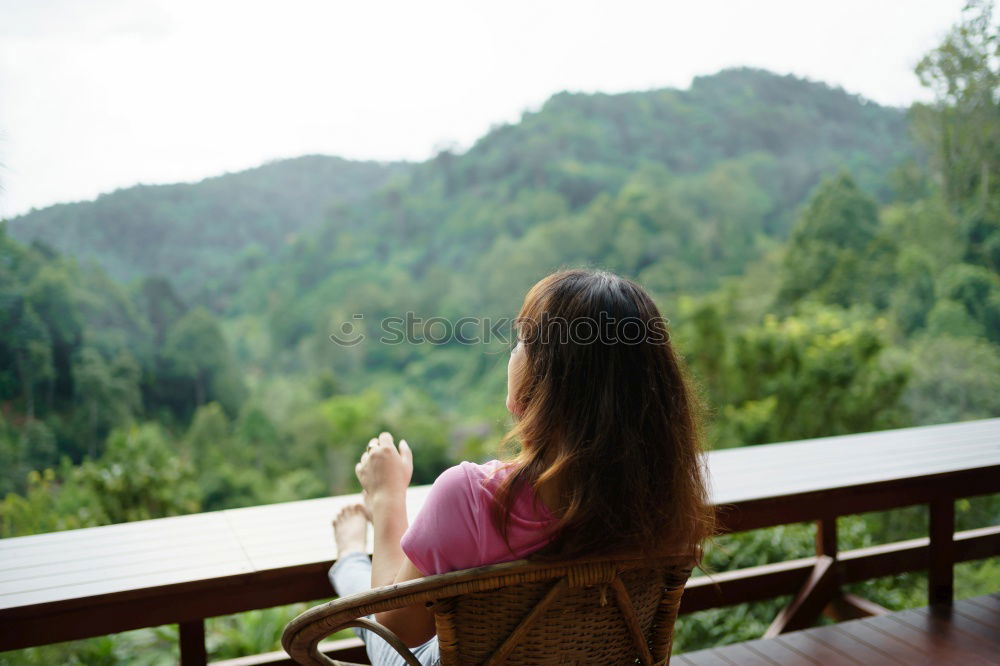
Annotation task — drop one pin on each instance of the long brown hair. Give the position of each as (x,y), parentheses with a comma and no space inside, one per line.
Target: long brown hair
(606,415)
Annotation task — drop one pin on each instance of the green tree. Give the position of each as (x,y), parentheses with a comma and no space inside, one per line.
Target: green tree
(953,379)
(162,305)
(962,126)
(107,394)
(977,290)
(195,353)
(818,373)
(138,477)
(831,251)
(915,295)
(32,346)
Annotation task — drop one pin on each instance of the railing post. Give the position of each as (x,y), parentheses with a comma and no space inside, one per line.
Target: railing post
(942,552)
(826,537)
(193,643)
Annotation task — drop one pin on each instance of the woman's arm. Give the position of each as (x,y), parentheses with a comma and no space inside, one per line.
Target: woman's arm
(414,624)
(389,523)
(385,474)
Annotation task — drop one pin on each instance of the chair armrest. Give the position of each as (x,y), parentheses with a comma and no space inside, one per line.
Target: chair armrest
(302,635)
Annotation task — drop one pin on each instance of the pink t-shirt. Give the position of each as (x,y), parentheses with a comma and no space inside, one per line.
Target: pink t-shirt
(454,529)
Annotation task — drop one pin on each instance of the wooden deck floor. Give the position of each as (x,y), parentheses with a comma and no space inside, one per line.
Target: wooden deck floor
(967,634)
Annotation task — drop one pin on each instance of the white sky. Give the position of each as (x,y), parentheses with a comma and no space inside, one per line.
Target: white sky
(101,94)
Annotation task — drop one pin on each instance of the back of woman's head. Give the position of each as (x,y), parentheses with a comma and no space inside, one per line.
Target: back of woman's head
(605,416)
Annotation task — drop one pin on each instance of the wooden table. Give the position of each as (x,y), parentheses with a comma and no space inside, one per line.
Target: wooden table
(101,580)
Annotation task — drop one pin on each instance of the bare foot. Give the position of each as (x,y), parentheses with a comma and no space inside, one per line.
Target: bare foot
(350,529)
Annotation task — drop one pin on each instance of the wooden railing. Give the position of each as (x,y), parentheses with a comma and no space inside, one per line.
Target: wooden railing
(817,581)
(277,554)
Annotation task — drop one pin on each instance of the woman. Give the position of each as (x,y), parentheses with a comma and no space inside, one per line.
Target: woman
(609,463)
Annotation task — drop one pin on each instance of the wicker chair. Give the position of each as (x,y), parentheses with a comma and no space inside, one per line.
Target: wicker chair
(612,611)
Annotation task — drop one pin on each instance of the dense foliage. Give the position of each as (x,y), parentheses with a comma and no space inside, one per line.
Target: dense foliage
(204,235)
(823,274)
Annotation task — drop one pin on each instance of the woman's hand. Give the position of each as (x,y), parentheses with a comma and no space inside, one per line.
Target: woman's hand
(385,472)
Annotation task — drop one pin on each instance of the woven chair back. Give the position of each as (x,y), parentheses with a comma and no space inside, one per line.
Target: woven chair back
(610,611)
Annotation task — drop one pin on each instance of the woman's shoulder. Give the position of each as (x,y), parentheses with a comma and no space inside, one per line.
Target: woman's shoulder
(467,471)
(469,480)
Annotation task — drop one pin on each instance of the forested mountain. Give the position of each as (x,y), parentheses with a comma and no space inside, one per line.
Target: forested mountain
(720,117)
(201,234)
(677,188)
(779,133)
